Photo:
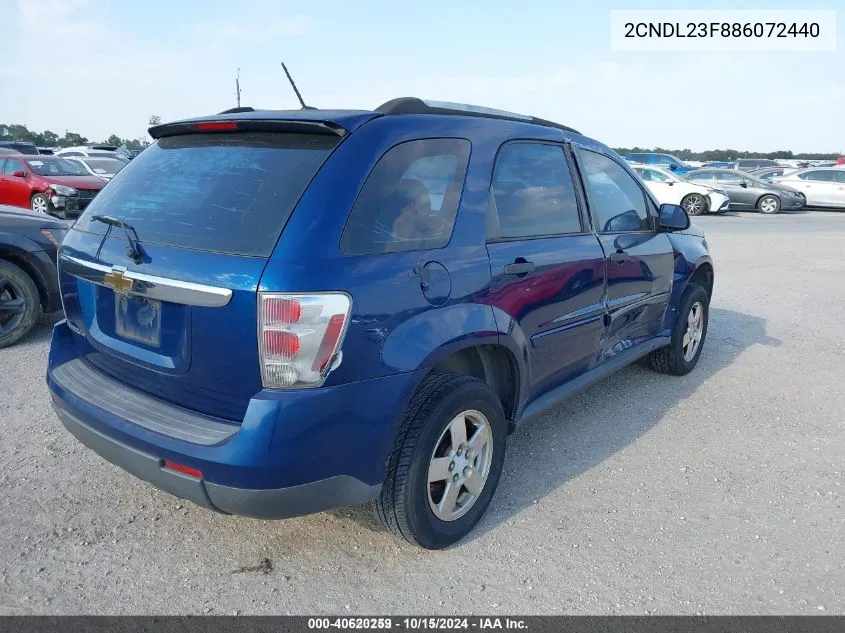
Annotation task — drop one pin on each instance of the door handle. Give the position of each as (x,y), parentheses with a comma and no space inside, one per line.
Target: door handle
(619,257)
(520,267)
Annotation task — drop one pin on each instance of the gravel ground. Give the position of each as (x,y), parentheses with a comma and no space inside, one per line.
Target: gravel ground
(720,492)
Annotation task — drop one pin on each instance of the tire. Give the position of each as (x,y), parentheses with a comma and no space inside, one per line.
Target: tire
(694,204)
(40,203)
(768,204)
(674,359)
(408,497)
(20,305)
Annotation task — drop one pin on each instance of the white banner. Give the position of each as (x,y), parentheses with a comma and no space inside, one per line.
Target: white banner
(723,30)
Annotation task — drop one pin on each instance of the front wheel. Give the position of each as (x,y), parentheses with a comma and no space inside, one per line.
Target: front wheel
(446,463)
(681,355)
(694,204)
(768,205)
(40,203)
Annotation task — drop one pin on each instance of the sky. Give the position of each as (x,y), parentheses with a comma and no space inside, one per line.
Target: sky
(99,67)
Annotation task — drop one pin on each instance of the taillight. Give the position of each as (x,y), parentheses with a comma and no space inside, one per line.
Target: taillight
(300,337)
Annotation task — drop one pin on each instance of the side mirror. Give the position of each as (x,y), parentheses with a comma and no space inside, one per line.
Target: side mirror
(673,167)
(673,218)
(743,184)
(20,173)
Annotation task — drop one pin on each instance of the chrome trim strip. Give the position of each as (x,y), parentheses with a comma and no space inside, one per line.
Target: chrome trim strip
(150,286)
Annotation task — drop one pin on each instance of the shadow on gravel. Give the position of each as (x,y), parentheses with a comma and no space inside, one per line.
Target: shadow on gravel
(607,417)
(591,426)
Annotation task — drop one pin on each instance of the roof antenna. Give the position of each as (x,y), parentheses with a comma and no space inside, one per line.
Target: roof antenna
(238,87)
(293,85)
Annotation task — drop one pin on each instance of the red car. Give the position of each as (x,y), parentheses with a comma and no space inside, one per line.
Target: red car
(46,184)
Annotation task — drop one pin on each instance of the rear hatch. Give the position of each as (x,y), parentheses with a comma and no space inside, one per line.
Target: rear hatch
(177,319)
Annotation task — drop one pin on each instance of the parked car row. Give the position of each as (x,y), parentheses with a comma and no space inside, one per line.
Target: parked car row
(760,184)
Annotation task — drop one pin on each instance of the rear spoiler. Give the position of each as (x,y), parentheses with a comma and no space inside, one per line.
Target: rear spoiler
(247,125)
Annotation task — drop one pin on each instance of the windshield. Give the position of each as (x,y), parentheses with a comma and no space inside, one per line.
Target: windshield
(56,167)
(104,166)
(226,193)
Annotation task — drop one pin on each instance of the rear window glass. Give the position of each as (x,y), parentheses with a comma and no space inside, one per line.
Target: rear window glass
(409,200)
(229,193)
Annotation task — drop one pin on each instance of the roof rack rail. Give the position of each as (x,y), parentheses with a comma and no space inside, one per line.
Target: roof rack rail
(238,109)
(414,105)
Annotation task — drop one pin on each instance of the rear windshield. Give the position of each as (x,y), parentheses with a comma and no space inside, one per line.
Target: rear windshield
(227,193)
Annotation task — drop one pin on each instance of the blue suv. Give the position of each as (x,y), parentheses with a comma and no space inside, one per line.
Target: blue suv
(274,313)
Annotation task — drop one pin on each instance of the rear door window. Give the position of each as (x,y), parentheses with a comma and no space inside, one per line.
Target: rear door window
(730,179)
(533,192)
(227,193)
(822,175)
(410,199)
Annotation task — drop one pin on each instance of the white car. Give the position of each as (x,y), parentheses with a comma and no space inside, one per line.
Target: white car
(90,151)
(668,188)
(104,167)
(822,186)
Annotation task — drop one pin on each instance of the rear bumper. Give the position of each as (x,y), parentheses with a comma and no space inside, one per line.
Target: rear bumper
(273,503)
(294,452)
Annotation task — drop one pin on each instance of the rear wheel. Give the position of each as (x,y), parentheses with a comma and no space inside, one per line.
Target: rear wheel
(768,204)
(688,334)
(694,204)
(20,305)
(446,462)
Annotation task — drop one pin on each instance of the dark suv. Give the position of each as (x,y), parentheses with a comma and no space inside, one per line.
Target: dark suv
(273,313)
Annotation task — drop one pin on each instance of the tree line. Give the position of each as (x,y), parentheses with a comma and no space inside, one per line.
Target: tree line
(48,138)
(727,154)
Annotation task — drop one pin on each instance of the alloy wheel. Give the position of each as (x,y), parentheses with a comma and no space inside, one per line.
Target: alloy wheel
(694,205)
(39,204)
(12,306)
(694,331)
(460,465)
(768,205)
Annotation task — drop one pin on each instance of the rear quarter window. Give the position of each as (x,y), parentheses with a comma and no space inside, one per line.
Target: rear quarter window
(228,193)
(410,199)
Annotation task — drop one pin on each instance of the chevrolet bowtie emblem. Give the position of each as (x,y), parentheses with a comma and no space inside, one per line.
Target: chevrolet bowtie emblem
(117,281)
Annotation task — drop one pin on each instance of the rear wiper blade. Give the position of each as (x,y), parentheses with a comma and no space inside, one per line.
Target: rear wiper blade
(134,250)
